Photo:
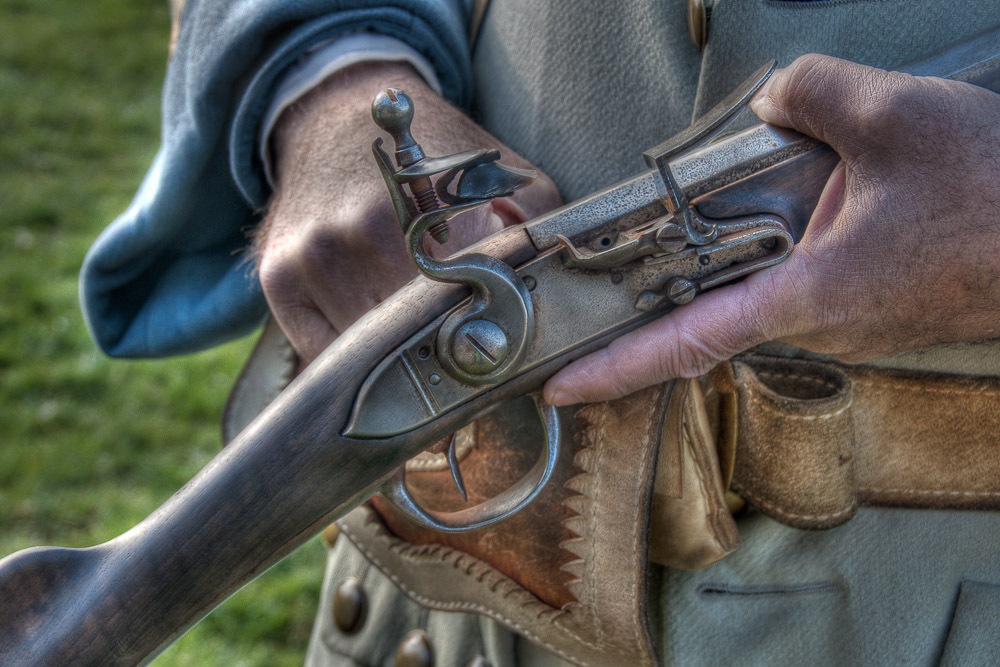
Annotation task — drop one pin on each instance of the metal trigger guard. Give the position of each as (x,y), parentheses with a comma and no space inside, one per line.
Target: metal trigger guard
(495,509)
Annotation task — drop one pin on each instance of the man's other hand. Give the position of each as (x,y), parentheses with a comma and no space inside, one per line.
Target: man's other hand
(330,247)
(902,251)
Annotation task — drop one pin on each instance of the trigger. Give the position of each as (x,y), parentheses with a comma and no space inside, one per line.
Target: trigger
(456,472)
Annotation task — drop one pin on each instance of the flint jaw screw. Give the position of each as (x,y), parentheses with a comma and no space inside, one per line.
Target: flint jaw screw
(392,110)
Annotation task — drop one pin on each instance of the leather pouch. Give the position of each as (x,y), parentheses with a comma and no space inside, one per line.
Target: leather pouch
(691,523)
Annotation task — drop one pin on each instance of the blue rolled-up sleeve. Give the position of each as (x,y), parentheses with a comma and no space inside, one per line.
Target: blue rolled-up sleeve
(169,276)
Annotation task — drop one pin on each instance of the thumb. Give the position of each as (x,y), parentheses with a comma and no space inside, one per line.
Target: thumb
(833,100)
(688,342)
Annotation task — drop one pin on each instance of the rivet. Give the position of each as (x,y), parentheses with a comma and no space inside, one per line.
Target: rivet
(530,282)
(647,301)
(434,378)
(617,277)
(415,650)
(349,604)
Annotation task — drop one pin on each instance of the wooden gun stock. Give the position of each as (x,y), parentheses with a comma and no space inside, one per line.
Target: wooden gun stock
(291,472)
(286,476)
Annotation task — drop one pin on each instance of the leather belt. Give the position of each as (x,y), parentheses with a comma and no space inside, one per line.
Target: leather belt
(816,440)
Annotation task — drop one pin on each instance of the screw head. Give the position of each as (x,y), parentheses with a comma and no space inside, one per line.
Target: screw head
(680,290)
(479,347)
(392,110)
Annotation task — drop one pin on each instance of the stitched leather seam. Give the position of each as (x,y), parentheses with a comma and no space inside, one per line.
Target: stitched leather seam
(928,492)
(467,606)
(592,565)
(805,378)
(647,453)
(755,399)
(928,390)
(774,508)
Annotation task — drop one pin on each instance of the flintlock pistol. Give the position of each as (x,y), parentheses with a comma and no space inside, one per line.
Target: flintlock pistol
(476,329)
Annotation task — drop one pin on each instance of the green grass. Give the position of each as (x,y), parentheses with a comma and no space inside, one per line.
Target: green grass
(89,446)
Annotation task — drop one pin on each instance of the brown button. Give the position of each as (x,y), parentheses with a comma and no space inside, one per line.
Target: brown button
(349,605)
(478,661)
(699,12)
(415,650)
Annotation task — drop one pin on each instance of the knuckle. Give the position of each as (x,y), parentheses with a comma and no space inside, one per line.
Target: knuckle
(618,382)
(885,106)
(278,276)
(688,355)
(603,376)
(786,300)
(832,303)
(807,81)
(317,243)
(808,70)
(754,312)
(835,313)
(612,374)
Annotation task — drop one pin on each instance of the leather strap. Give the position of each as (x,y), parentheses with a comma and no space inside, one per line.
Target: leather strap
(271,366)
(816,440)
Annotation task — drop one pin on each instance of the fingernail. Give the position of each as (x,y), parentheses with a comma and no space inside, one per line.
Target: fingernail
(560,397)
(759,101)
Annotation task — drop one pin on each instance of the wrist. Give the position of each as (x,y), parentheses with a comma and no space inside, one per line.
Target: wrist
(335,113)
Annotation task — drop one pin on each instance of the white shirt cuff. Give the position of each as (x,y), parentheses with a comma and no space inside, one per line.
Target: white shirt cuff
(323,60)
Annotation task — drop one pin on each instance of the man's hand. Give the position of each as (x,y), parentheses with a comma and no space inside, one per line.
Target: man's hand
(330,247)
(902,251)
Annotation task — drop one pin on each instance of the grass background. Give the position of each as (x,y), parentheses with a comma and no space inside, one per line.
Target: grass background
(90,446)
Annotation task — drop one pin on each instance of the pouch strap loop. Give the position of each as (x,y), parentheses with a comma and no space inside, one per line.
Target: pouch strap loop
(816,440)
